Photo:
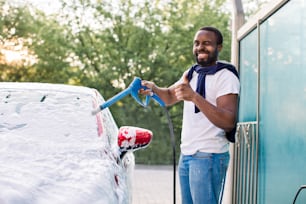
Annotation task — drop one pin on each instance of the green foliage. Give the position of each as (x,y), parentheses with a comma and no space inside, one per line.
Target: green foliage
(47,43)
(102,45)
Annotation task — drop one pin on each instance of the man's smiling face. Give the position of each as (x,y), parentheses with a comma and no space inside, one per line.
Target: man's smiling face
(205,48)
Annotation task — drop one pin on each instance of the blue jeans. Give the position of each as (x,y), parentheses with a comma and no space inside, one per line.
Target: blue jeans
(202,177)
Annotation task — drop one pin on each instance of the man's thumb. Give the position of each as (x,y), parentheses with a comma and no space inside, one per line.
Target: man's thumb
(185,79)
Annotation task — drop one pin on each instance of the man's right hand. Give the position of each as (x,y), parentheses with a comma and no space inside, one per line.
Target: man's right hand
(150,87)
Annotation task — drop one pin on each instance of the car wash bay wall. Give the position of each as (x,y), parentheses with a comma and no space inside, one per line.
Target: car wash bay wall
(271,158)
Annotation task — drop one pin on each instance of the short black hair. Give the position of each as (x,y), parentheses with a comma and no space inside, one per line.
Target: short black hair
(217,33)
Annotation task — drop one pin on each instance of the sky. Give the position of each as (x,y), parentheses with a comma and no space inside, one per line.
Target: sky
(50,6)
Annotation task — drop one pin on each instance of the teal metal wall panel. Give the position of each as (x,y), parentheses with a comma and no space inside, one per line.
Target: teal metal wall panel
(282,113)
(282,126)
(248,77)
(282,152)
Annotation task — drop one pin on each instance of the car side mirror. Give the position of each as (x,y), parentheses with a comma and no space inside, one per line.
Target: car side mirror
(133,138)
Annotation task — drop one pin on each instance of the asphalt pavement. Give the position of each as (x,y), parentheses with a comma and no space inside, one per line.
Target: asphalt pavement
(154,185)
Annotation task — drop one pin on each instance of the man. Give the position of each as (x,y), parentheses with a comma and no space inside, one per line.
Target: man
(210,91)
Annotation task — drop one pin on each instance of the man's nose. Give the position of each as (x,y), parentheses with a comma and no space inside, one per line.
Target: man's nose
(201,46)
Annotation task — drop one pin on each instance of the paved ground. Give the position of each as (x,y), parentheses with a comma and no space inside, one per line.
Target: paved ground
(154,185)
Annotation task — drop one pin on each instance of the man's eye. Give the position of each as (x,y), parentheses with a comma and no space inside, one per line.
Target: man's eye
(207,43)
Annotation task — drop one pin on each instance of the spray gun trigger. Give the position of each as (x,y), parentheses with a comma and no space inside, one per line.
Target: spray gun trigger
(137,86)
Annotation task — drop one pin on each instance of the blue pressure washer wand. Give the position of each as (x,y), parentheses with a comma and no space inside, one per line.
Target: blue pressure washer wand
(133,89)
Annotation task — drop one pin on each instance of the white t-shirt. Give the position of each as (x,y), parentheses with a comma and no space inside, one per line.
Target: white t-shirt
(198,133)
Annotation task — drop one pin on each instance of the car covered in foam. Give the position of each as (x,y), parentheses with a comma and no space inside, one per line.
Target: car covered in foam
(54,151)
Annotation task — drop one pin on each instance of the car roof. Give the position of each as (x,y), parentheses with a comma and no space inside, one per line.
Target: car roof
(40,101)
(46,86)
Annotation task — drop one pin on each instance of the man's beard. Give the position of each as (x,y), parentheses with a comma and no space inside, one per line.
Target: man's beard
(209,61)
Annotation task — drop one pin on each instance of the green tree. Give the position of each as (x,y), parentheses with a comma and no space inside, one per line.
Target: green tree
(47,45)
(150,39)
(104,45)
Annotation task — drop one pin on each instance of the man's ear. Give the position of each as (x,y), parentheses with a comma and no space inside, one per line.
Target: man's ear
(219,47)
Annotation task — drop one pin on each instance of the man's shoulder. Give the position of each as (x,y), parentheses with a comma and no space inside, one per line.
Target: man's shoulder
(225,63)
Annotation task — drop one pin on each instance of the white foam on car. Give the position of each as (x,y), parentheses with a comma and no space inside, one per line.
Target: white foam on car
(50,151)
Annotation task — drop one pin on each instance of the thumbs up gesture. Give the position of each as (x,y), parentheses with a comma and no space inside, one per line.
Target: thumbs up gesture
(185,78)
(183,90)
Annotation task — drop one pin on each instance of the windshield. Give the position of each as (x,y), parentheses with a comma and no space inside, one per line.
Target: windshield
(51,114)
